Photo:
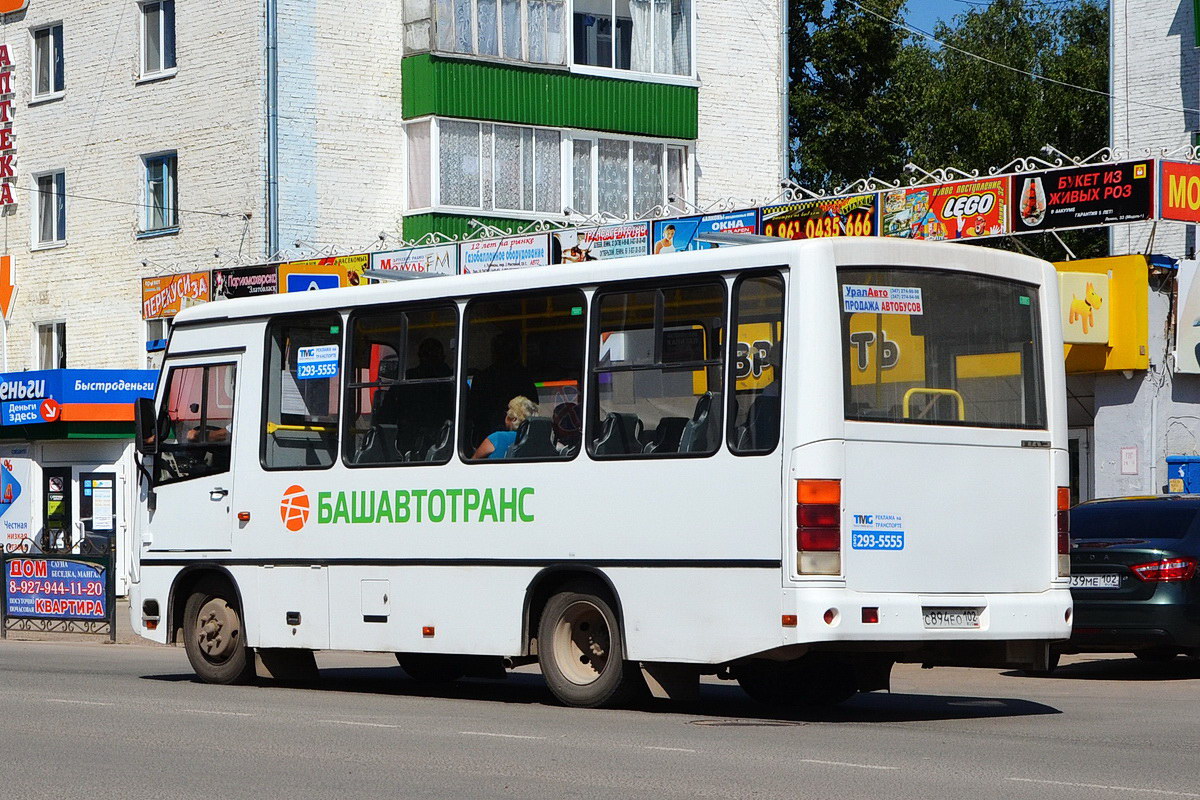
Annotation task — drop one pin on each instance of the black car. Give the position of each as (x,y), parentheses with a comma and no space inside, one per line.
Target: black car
(1134,576)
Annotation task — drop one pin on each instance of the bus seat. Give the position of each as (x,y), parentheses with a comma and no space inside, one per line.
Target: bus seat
(761,429)
(533,440)
(695,432)
(440,450)
(378,446)
(620,434)
(667,435)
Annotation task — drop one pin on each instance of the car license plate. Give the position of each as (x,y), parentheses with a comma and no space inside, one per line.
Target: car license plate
(951,617)
(1109,580)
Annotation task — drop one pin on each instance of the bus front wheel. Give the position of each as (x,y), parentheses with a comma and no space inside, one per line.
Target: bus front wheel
(582,653)
(214,636)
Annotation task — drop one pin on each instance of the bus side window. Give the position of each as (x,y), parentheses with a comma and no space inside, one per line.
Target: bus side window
(195,426)
(524,364)
(303,388)
(658,371)
(401,386)
(757,359)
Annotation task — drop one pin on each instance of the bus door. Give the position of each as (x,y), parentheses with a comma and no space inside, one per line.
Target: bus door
(193,480)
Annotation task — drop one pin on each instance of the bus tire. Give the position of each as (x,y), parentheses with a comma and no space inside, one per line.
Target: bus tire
(582,654)
(214,635)
(430,667)
(812,681)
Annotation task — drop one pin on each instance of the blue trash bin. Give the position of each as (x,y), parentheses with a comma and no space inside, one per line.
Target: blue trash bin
(1183,474)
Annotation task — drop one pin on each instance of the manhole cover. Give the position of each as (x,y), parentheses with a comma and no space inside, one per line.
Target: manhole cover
(746,723)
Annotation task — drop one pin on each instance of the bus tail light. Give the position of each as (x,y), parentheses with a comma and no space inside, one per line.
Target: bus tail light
(1064,532)
(1168,570)
(818,527)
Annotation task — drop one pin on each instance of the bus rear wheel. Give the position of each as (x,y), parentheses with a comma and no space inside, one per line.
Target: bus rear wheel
(214,636)
(814,681)
(582,654)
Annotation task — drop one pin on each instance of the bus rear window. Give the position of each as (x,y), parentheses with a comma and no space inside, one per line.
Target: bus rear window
(943,348)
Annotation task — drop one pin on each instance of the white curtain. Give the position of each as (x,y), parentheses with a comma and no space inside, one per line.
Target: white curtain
(508,167)
(612,177)
(681,36)
(444,22)
(419,164)
(512,29)
(641,46)
(556,39)
(459,163)
(664,56)
(535,14)
(548,171)
(581,176)
(487,44)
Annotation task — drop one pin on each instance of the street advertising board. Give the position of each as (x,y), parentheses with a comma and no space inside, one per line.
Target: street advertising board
(623,240)
(853,215)
(957,210)
(441,259)
(234,282)
(37,396)
(322,273)
(685,233)
(511,252)
(166,295)
(49,592)
(1083,196)
(16,507)
(1179,184)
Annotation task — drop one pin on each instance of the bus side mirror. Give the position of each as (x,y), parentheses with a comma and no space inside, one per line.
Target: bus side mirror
(146,440)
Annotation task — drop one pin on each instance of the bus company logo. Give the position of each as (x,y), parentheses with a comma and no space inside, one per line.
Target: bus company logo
(294,508)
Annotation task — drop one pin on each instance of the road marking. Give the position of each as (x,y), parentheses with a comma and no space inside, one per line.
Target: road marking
(1167,792)
(361,724)
(672,749)
(77,702)
(499,735)
(222,713)
(842,764)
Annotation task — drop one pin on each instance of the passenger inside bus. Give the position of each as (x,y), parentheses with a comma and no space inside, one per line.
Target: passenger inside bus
(491,387)
(497,444)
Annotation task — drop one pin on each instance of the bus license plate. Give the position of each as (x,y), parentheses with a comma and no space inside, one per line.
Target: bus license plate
(1109,581)
(951,617)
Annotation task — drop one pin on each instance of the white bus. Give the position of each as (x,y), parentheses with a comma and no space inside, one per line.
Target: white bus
(790,464)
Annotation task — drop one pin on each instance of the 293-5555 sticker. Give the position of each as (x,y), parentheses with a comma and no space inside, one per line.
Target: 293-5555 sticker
(877,532)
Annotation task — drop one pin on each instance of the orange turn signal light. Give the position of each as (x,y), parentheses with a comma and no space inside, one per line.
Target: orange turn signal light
(789,620)
(243,516)
(1064,498)
(822,492)
(427,630)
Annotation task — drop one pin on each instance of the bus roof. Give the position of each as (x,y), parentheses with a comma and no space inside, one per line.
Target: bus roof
(855,250)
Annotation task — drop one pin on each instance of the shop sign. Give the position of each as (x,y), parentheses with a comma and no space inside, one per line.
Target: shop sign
(958,210)
(855,215)
(513,252)
(8,145)
(1083,196)
(1083,299)
(1180,191)
(684,233)
(165,296)
(623,240)
(322,273)
(439,259)
(58,588)
(35,397)
(235,282)
(16,509)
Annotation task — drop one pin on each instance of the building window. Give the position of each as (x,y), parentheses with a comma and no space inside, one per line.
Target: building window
(525,171)
(50,220)
(158,37)
(48,79)
(646,36)
(51,345)
(520,30)
(162,193)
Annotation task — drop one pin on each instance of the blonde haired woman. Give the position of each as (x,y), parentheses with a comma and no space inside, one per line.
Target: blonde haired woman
(496,445)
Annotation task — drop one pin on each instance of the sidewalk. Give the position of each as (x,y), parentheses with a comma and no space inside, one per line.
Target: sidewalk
(125,634)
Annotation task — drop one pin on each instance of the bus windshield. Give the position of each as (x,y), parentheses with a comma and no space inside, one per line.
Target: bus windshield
(943,348)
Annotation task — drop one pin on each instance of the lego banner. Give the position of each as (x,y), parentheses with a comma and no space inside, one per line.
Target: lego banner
(854,215)
(1083,196)
(948,211)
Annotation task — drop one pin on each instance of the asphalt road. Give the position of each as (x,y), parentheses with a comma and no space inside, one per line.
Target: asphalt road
(116,721)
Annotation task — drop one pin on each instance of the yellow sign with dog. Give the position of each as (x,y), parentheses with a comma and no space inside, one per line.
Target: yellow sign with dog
(1083,302)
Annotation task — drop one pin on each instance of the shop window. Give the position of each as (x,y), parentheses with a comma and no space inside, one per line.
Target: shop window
(401,386)
(524,362)
(520,30)
(158,38)
(303,391)
(756,363)
(162,193)
(50,204)
(51,345)
(644,36)
(48,76)
(195,425)
(657,375)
